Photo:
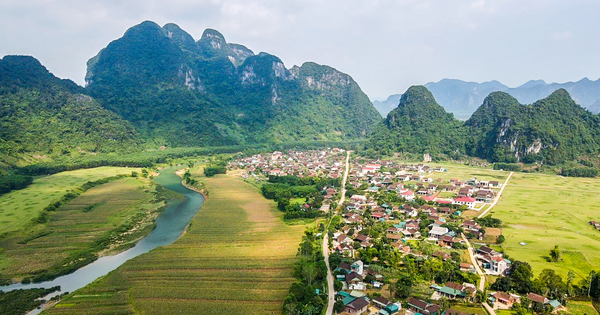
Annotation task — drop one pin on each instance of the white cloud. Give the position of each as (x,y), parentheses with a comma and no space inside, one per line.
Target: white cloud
(386,45)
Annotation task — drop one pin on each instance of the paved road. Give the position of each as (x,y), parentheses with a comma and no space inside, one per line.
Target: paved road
(497,197)
(330,288)
(474,263)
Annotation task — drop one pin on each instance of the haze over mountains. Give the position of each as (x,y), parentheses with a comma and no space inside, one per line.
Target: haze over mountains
(463,98)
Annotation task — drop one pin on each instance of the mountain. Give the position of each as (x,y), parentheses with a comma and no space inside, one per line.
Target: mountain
(42,114)
(388,105)
(419,125)
(552,130)
(183,92)
(463,98)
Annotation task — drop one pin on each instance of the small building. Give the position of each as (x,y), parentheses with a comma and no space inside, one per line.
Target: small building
(357,306)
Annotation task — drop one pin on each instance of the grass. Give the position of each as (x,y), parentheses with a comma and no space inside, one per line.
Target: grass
(17,208)
(464,172)
(544,211)
(236,258)
(77,225)
(479,310)
(580,308)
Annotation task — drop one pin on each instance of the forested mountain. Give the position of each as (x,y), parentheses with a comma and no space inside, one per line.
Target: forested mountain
(463,98)
(419,125)
(42,114)
(209,92)
(551,131)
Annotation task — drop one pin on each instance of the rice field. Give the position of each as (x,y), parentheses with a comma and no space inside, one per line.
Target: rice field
(77,225)
(543,211)
(236,258)
(17,208)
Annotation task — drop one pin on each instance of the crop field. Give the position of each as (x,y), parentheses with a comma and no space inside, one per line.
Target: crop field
(465,172)
(17,208)
(543,211)
(236,258)
(78,224)
(581,308)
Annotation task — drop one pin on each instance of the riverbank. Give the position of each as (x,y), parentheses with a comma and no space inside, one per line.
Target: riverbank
(237,257)
(170,225)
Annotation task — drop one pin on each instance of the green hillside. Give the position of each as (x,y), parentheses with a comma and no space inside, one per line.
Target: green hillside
(44,115)
(210,92)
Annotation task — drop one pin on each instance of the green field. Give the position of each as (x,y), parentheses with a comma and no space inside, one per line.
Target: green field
(17,208)
(236,258)
(465,172)
(545,210)
(77,225)
(580,308)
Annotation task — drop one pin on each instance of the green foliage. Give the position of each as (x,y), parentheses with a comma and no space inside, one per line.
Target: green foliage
(579,172)
(555,254)
(187,93)
(513,167)
(311,273)
(42,114)
(13,182)
(488,221)
(20,301)
(419,125)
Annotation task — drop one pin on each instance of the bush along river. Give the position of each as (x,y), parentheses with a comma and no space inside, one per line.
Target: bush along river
(170,225)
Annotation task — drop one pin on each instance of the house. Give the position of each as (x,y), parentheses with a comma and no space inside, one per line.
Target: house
(381,302)
(357,306)
(437,232)
(468,201)
(537,298)
(450,291)
(390,309)
(422,307)
(353,278)
(357,267)
(408,195)
(441,255)
(503,300)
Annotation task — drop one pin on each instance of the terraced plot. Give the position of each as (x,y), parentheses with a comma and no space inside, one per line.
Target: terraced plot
(236,258)
(17,208)
(77,225)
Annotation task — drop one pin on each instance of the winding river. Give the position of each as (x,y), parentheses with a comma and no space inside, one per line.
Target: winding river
(170,225)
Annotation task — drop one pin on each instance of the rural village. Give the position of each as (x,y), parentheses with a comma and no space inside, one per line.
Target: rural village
(398,220)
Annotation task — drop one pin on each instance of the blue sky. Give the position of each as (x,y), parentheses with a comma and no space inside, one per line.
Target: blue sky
(385,45)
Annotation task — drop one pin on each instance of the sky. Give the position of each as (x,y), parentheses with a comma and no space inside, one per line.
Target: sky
(385,45)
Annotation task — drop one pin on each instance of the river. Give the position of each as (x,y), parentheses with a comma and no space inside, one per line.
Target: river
(170,225)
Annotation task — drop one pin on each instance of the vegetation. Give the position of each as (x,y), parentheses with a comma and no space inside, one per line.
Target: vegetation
(14,182)
(43,114)
(542,211)
(19,302)
(112,213)
(237,257)
(552,131)
(311,273)
(419,125)
(180,92)
(18,208)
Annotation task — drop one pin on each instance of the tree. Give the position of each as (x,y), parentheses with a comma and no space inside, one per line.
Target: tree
(555,254)
(338,307)
(521,275)
(500,239)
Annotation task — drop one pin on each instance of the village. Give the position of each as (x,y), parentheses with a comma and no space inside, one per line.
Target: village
(398,242)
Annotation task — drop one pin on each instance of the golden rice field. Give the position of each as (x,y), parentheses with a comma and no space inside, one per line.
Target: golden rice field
(236,258)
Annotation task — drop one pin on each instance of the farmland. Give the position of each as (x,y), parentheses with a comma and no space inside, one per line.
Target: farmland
(543,211)
(235,258)
(79,224)
(17,208)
